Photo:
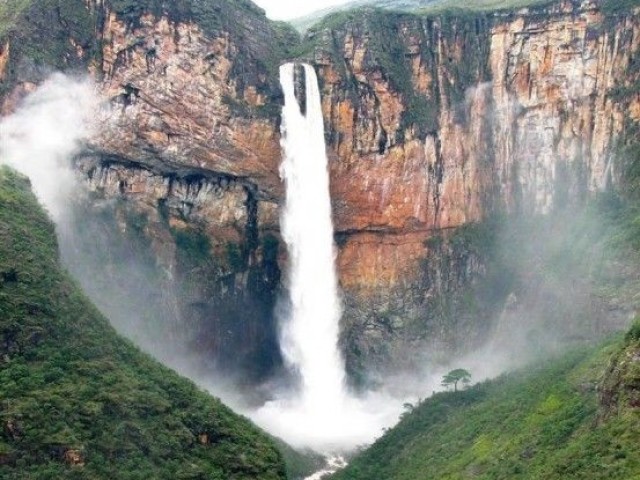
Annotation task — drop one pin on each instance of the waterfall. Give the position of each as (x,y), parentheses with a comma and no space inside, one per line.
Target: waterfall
(320,415)
(309,339)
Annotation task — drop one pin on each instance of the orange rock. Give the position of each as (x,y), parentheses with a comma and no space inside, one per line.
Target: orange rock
(177,95)
(74,457)
(546,104)
(5,52)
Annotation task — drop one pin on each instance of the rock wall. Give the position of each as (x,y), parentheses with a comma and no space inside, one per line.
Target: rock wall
(191,141)
(517,113)
(180,265)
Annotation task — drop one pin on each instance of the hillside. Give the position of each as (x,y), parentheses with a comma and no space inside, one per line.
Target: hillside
(434,7)
(576,417)
(418,6)
(77,400)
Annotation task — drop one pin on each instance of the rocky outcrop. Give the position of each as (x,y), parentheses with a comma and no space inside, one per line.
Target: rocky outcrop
(619,391)
(177,95)
(191,142)
(189,265)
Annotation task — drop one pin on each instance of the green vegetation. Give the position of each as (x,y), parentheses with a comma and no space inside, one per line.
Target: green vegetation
(633,335)
(49,31)
(481,5)
(620,390)
(211,16)
(10,10)
(434,7)
(459,375)
(192,244)
(440,6)
(618,6)
(389,55)
(78,401)
(540,423)
(55,34)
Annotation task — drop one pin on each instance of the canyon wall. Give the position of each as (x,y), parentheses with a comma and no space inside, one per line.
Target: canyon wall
(191,142)
(435,125)
(441,122)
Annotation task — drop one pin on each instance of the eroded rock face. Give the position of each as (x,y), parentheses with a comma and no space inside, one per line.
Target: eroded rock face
(516,113)
(177,89)
(186,266)
(191,143)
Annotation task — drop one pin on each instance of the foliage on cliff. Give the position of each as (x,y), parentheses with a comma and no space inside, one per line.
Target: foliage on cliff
(242,19)
(78,401)
(433,6)
(67,34)
(620,390)
(545,422)
(45,35)
(439,6)
(388,53)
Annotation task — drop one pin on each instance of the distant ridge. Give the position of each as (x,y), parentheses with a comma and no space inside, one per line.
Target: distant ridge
(304,23)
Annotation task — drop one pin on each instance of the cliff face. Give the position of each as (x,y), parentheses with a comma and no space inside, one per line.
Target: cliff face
(181,96)
(515,113)
(191,143)
(433,123)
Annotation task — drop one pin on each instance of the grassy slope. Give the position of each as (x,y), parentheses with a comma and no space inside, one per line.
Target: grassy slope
(68,382)
(544,423)
(10,10)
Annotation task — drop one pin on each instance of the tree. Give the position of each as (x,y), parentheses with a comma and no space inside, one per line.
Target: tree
(456,376)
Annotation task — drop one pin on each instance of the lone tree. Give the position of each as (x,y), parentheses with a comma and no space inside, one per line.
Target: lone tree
(456,376)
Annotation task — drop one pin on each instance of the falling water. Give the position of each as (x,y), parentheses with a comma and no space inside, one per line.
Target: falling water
(310,335)
(320,415)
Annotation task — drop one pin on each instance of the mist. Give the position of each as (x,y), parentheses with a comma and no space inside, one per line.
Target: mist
(552,269)
(317,413)
(41,137)
(563,271)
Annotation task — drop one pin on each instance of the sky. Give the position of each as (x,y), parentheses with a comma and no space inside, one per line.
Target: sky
(289,9)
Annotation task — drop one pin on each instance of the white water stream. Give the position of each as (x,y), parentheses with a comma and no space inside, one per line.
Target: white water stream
(309,339)
(321,414)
